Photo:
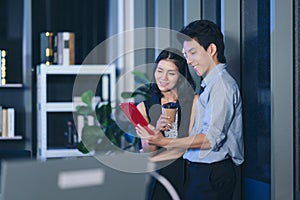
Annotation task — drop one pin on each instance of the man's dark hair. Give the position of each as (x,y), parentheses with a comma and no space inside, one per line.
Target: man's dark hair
(204,32)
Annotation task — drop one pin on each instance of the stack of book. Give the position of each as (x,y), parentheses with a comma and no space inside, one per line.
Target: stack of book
(2,67)
(46,49)
(57,48)
(7,122)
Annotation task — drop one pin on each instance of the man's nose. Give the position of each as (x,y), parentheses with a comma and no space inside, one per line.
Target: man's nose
(188,60)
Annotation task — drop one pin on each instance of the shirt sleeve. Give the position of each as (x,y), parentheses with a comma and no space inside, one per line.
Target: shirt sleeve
(219,113)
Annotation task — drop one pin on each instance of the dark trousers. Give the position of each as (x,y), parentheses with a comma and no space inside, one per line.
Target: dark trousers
(174,173)
(214,181)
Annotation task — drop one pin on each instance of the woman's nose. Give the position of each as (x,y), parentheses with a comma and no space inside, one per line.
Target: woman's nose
(164,76)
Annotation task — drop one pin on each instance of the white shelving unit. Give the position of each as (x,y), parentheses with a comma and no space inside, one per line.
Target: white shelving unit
(44,107)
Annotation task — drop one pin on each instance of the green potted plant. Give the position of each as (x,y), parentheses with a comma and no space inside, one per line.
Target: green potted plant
(97,137)
(101,137)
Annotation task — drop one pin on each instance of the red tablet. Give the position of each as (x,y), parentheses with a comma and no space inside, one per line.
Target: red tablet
(134,115)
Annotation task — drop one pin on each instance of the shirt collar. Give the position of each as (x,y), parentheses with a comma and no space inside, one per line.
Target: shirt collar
(211,75)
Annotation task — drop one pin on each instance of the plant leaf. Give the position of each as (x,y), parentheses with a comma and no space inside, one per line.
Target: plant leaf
(87,97)
(127,95)
(82,148)
(142,90)
(140,93)
(91,135)
(110,134)
(141,77)
(103,114)
(114,133)
(84,110)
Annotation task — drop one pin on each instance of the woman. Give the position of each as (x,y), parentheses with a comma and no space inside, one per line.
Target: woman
(172,83)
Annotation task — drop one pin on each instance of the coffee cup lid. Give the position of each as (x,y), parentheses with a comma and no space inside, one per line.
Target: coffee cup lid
(170,105)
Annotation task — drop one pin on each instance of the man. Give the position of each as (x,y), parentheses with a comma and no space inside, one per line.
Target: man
(215,143)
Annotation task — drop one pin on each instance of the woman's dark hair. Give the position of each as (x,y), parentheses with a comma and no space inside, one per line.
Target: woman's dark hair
(185,84)
(204,32)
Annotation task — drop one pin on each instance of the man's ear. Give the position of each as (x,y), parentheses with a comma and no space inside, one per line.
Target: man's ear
(212,49)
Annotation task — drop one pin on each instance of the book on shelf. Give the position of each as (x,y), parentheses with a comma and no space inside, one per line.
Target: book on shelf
(7,122)
(10,122)
(0,120)
(55,53)
(4,122)
(65,48)
(3,66)
(46,48)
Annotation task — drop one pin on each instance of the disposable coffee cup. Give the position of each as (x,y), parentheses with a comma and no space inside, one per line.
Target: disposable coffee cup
(169,109)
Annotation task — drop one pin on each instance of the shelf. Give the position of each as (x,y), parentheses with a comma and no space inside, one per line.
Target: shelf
(56,153)
(18,137)
(12,85)
(60,107)
(64,106)
(77,69)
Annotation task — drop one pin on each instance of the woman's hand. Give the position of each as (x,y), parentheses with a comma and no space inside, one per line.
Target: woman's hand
(163,123)
(156,139)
